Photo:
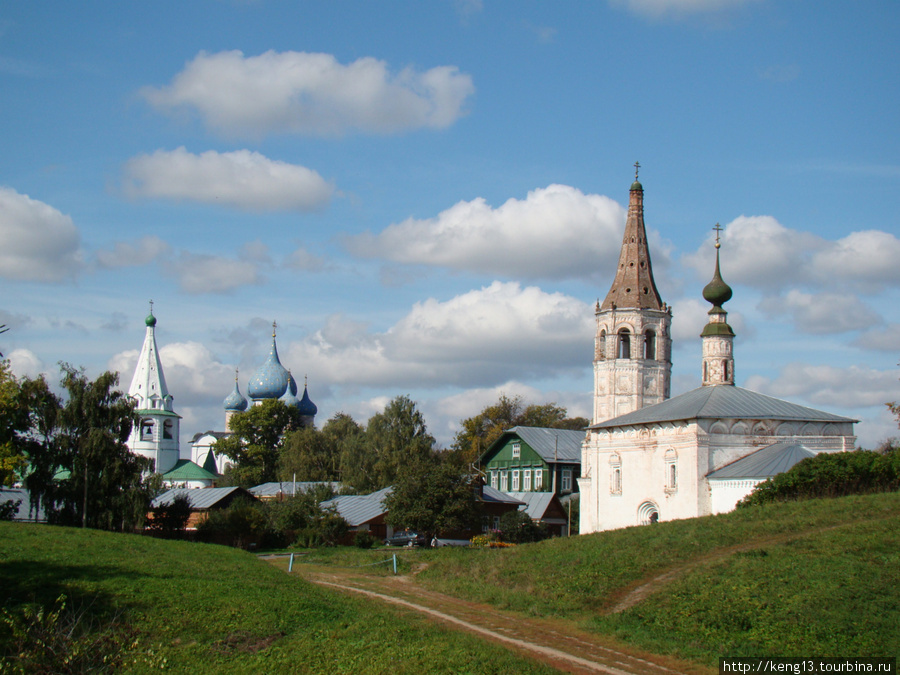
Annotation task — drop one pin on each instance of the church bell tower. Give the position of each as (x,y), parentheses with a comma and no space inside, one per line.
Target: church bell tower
(633,346)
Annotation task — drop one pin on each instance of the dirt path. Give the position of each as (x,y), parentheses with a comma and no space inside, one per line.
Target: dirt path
(556,643)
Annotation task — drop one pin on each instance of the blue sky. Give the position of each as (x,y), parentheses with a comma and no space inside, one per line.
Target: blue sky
(429,197)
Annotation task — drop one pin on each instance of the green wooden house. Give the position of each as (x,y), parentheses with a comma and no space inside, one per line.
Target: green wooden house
(534,459)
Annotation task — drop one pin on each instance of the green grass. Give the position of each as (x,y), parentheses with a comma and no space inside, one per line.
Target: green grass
(819,577)
(205,608)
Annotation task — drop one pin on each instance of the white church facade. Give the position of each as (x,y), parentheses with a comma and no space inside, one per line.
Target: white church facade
(648,457)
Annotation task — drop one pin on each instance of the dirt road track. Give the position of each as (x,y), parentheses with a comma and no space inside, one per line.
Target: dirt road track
(554,643)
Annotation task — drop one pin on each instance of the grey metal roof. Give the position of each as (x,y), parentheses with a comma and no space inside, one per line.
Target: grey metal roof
(536,503)
(359,509)
(23,497)
(289,488)
(553,445)
(200,498)
(721,402)
(490,494)
(765,462)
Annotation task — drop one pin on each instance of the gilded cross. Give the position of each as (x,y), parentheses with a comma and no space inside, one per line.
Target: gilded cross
(718,228)
(637,166)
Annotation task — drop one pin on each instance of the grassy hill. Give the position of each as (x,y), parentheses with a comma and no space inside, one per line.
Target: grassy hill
(203,608)
(819,577)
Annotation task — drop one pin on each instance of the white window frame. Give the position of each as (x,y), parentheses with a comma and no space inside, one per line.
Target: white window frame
(504,481)
(566,480)
(494,479)
(515,480)
(526,480)
(538,480)
(516,450)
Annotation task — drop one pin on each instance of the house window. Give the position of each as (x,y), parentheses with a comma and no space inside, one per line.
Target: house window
(567,480)
(167,429)
(496,522)
(515,481)
(538,480)
(504,481)
(494,479)
(650,345)
(526,480)
(671,470)
(516,450)
(624,346)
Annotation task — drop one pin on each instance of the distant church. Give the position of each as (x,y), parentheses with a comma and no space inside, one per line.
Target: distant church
(157,435)
(648,457)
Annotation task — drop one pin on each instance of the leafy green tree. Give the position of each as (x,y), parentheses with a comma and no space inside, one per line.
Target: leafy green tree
(82,471)
(12,421)
(433,497)
(308,455)
(171,518)
(477,433)
(395,438)
(517,527)
(257,441)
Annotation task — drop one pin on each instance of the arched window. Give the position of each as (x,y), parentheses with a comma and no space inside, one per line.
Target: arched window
(167,429)
(648,513)
(601,345)
(147,430)
(725,370)
(650,345)
(624,346)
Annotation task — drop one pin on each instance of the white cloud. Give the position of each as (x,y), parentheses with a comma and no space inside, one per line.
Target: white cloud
(242,179)
(212,274)
(299,92)
(301,259)
(761,252)
(657,8)
(821,313)
(479,338)
(39,242)
(830,386)
(25,363)
(885,338)
(555,232)
(132,254)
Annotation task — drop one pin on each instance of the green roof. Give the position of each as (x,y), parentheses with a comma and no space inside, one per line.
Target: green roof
(185,469)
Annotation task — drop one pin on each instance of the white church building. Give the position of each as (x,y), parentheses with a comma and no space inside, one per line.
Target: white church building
(648,457)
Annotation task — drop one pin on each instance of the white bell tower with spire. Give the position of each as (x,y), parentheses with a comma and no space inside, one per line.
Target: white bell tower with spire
(156,436)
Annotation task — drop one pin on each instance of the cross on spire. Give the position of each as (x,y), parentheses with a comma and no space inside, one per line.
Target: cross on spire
(151,306)
(718,228)
(637,166)
(274,326)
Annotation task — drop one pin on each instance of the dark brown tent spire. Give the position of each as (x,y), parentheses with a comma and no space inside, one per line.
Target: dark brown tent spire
(633,287)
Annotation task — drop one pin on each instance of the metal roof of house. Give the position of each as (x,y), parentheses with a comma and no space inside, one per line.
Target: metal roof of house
(359,509)
(721,402)
(765,462)
(23,511)
(553,445)
(185,469)
(536,503)
(289,488)
(490,494)
(200,498)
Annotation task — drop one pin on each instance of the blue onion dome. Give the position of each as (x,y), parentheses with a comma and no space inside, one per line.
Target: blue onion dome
(307,407)
(235,402)
(289,398)
(271,379)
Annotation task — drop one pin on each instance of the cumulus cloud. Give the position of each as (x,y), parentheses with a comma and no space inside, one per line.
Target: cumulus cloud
(212,274)
(133,254)
(830,386)
(821,313)
(884,338)
(305,93)
(39,242)
(555,232)
(302,259)
(761,252)
(241,179)
(25,363)
(479,338)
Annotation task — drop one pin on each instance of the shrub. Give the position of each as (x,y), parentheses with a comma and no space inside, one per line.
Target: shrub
(171,518)
(831,475)
(241,524)
(517,527)
(364,539)
(9,508)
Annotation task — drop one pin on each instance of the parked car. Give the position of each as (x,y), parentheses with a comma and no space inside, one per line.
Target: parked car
(406,538)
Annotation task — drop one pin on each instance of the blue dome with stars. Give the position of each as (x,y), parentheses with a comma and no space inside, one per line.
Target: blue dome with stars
(235,401)
(289,398)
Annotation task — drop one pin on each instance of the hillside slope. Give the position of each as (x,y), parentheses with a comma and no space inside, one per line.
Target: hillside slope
(820,577)
(204,608)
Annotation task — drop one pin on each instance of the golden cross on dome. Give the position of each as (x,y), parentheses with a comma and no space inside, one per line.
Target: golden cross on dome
(274,326)
(637,166)
(718,228)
